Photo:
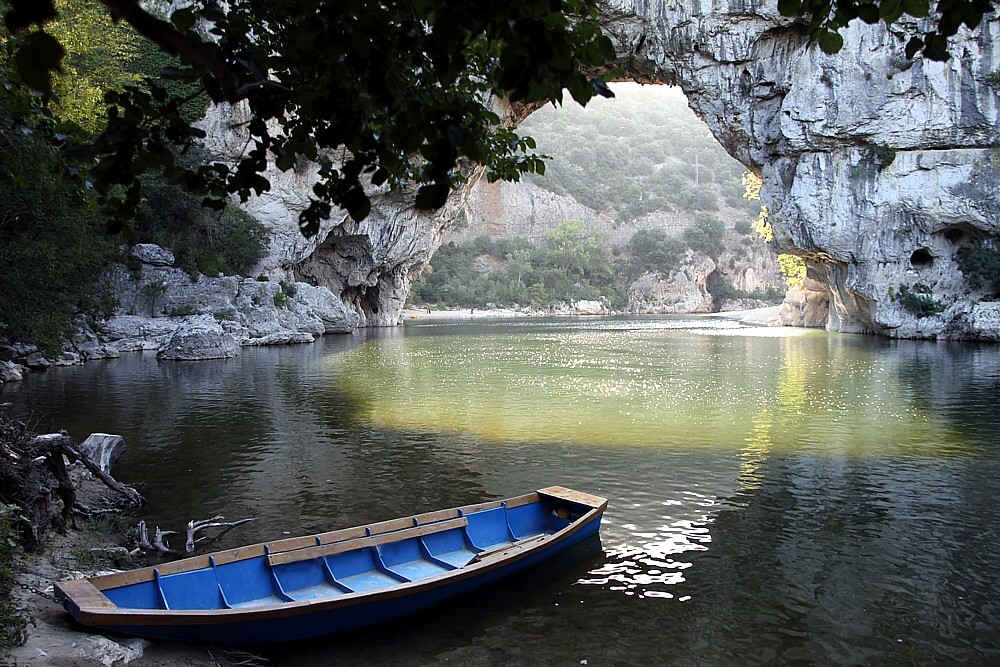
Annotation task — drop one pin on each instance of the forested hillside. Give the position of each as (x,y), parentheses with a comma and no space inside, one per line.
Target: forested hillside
(640,152)
(54,240)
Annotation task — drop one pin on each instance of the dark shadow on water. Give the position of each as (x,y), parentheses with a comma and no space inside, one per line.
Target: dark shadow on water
(423,638)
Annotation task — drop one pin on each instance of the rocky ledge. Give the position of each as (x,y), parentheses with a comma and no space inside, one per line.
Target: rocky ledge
(161,308)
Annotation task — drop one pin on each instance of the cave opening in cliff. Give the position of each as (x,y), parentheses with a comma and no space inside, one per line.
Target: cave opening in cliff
(921,258)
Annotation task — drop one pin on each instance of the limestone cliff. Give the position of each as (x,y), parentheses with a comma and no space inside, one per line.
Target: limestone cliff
(368,266)
(875,169)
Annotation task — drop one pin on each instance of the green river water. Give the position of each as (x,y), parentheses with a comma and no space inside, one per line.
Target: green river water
(777,496)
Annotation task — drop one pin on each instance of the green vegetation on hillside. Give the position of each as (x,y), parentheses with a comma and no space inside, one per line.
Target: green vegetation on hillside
(203,241)
(570,265)
(52,244)
(641,152)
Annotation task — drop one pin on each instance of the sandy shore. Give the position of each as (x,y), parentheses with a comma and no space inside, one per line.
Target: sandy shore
(769,317)
(469,314)
(760,317)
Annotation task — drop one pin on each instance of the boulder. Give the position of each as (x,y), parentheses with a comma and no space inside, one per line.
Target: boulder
(198,338)
(103,449)
(595,307)
(152,254)
(806,306)
(985,320)
(281,338)
(684,291)
(10,372)
(36,361)
(67,359)
(94,350)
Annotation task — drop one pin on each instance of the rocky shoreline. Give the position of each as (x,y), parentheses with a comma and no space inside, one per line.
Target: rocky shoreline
(162,308)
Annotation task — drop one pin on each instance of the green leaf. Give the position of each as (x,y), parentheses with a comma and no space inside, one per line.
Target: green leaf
(380,176)
(27,12)
(602,89)
(913,47)
(184,19)
(830,41)
(789,7)
(917,8)
(868,13)
(936,48)
(890,10)
(38,57)
(433,195)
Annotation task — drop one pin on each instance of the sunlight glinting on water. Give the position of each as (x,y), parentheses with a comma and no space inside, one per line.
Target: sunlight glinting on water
(632,385)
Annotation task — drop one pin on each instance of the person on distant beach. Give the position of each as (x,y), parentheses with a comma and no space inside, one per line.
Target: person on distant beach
(472,311)
(428,310)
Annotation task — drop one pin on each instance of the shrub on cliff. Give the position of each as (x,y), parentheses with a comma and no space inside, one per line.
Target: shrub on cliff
(230,242)
(980,264)
(917,300)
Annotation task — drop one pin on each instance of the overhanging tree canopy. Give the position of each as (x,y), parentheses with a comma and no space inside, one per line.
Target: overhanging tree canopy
(401,88)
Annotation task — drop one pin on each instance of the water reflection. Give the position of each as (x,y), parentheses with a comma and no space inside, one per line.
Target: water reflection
(802,498)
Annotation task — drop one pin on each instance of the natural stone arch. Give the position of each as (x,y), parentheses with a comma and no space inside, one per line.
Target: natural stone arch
(864,156)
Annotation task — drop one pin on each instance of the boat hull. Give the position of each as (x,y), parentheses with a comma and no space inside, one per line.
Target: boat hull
(307,618)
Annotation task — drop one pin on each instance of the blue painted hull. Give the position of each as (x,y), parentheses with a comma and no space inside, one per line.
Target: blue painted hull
(148,604)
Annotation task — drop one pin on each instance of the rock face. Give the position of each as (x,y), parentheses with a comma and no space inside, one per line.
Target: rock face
(806,306)
(525,209)
(368,266)
(199,338)
(10,372)
(219,313)
(504,209)
(683,292)
(876,169)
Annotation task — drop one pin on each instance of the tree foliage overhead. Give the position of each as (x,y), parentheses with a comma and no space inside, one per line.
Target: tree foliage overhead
(402,88)
(942,20)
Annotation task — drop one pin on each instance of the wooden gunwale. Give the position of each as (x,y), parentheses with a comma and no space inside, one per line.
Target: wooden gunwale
(96,609)
(308,553)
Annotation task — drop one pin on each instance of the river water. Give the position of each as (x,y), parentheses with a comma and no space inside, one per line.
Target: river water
(776,496)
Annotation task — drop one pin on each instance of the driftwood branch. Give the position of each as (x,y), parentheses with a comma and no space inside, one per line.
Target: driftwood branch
(73,454)
(215,522)
(193,527)
(34,471)
(158,544)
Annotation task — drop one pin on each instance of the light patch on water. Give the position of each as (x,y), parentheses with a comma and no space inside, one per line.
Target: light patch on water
(652,383)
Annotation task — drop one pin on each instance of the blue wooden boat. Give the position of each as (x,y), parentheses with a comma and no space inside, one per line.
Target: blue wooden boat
(310,586)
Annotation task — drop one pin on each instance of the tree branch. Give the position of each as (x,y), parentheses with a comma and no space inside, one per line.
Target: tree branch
(172,41)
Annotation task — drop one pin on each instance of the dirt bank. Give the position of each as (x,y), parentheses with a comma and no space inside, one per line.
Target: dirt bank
(56,640)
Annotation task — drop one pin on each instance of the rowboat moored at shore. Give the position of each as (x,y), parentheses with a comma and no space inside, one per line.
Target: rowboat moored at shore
(315,585)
